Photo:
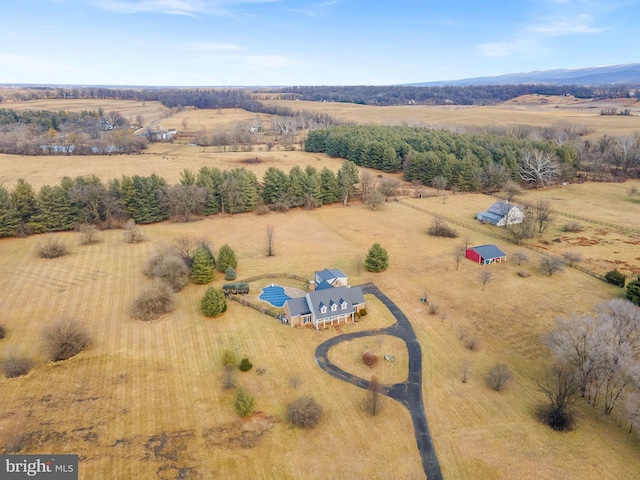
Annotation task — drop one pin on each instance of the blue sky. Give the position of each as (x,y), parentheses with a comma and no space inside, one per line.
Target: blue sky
(306,42)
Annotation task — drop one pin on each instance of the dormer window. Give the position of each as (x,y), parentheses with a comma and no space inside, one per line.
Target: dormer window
(343,304)
(334,307)
(323,308)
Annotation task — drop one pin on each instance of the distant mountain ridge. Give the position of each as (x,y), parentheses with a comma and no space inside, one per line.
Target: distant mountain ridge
(612,74)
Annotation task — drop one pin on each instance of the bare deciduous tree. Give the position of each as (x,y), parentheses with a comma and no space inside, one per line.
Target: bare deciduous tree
(270,235)
(485,277)
(561,389)
(373,398)
(572,258)
(439,182)
(498,376)
(543,215)
(540,168)
(520,257)
(550,264)
(458,254)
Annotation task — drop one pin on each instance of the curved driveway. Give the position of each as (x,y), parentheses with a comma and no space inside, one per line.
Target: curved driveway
(409,392)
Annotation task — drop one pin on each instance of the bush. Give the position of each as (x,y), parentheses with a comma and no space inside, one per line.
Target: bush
(229,274)
(616,278)
(3,332)
(229,357)
(305,412)
(498,376)
(633,291)
(168,266)
(16,366)
(153,302)
(213,303)
(370,359)
(88,234)
(132,233)
(243,403)
(574,227)
(245,365)
(363,312)
(440,229)
(65,339)
(52,247)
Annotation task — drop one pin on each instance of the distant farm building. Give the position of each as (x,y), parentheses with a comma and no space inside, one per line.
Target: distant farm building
(486,254)
(502,213)
(160,134)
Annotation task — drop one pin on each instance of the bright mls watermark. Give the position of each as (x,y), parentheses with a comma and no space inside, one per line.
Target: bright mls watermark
(51,467)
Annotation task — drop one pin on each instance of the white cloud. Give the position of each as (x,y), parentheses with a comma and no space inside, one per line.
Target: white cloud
(581,24)
(173,7)
(212,47)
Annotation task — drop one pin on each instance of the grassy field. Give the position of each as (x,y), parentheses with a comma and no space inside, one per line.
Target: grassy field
(146,400)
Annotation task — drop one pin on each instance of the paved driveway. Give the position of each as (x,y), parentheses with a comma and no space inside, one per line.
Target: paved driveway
(409,392)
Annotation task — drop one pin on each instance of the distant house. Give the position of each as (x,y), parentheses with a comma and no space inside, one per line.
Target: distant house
(328,278)
(486,254)
(502,213)
(160,134)
(325,308)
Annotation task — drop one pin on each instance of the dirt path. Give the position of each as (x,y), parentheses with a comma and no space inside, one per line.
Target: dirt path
(409,392)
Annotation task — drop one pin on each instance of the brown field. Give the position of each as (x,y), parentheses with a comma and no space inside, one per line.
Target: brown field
(523,112)
(146,399)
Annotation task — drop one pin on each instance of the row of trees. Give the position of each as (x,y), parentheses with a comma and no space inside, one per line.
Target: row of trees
(468,162)
(88,200)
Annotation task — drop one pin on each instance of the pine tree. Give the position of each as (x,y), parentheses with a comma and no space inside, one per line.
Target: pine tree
(226,258)
(377,259)
(23,198)
(213,303)
(211,180)
(275,185)
(202,267)
(633,291)
(347,180)
(55,211)
(243,403)
(329,186)
(9,216)
(229,274)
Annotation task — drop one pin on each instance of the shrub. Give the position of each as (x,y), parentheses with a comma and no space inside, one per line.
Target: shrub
(52,247)
(245,365)
(363,312)
(573,227)
(229,274)
(370,359)
(498,376)
(153,302)
(3,332)
(229,357)
(168,266)
(16,366)
(213,303)
(524,274)
(616,278)
(132,233)
(440,229)
(305,412)
(88,234)
(243,403)
(633,291)
(65,339)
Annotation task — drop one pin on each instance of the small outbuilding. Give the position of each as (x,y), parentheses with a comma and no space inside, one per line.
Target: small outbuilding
(502,213)
(486,254)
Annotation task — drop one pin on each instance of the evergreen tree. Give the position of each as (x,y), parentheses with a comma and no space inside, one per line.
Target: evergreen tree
(55,211)
(328,186)
(275,186)
(229,274)
(296,186)
(213,303)
(312,188)
(202,266)
(633,291)
(24,201)
(210,179)
(243,403)
(347,180)
(226,258)
(377,259)
(141,197)
(9,216)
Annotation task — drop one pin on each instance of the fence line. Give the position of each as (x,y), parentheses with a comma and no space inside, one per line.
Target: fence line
(274,275)
(255,306)
(500,237)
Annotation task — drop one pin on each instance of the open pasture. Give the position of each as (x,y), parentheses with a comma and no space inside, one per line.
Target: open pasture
(146,399)
(556,110)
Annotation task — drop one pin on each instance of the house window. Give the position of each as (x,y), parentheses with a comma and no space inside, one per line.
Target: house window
(343,305)
(334,307)
(323,309)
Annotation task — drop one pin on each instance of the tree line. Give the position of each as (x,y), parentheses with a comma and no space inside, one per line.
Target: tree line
(89,200)
(468,162)
(44,132)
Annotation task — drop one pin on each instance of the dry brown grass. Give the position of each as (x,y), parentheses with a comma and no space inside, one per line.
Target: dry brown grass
(115,404)
(506,114)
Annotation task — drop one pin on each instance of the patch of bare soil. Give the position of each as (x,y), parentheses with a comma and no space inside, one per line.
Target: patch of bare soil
(244,433)
(251,161)
(582,242)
